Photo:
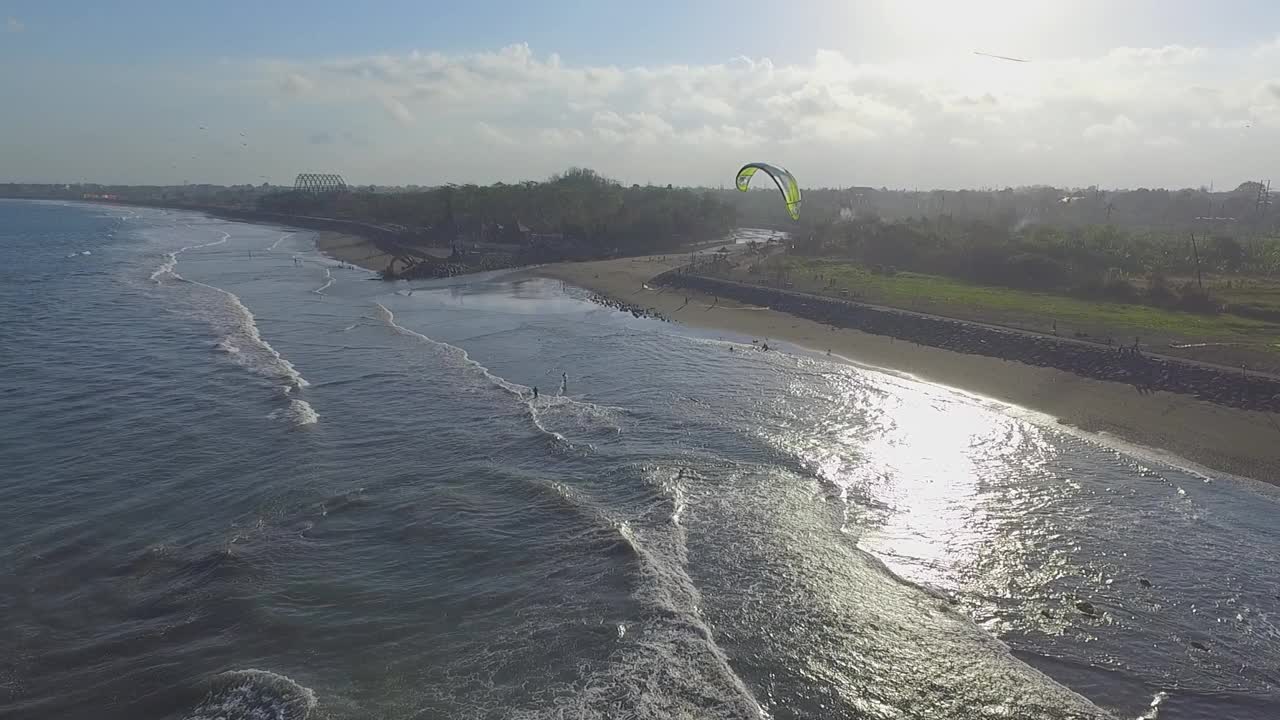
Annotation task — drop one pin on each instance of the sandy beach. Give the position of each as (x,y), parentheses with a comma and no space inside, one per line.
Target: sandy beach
(352,249)
(1236,441)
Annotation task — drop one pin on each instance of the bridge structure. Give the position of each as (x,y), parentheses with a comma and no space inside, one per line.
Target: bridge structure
(319,183)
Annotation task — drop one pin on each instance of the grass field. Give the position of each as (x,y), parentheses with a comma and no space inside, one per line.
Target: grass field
(1236,338)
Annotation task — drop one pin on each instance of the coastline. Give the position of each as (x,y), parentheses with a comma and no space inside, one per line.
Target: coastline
(1239,442)
(352,249)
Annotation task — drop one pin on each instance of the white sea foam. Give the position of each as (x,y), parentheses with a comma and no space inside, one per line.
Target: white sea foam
(254,695)
(239,329)
(679,657)
(226,346)
(299,413)
(279,240)
(515,389)
(328,281)
(522,393)
(1153,711)
(171,259)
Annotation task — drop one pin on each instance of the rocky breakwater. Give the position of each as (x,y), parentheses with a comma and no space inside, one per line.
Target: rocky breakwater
(638,311)
(1147,373)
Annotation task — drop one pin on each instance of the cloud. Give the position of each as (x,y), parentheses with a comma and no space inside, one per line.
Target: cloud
(513,113)
(397,110)
(13,25)
(491,134)
(293,85)
(1167,55)
(1120,126)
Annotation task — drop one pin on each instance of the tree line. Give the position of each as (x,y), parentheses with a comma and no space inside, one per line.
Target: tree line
(579,209)
(1246,208)
(1152,266)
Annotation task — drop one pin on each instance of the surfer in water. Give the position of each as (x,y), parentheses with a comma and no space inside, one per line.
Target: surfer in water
(564,382)
(535,392)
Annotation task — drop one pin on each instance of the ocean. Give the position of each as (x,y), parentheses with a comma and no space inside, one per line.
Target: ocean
(242,480)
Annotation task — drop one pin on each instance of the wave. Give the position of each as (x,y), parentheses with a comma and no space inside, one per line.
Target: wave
(589,417)
(226,346)
(328,281)
(254,695)
(279,240)
(171,259)
(522,393)
(299,413)
(239,330)
(674,667)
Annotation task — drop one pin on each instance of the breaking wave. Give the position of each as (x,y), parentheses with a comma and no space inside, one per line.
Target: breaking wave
(328,281)
(166,268)
(299,413)
(242,341)
(254,695)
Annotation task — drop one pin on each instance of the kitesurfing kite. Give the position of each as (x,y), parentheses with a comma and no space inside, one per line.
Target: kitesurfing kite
(785,181)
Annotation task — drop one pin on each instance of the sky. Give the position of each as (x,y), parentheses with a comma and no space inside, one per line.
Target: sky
(1143,93)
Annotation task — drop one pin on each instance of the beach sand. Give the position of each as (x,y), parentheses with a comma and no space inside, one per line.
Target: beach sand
(1236,441)
(352,249)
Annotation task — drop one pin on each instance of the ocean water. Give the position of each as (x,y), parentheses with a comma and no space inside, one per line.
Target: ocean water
(239,480)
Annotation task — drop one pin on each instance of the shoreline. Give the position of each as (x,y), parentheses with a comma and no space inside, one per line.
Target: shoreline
(351,249)
(1239,442)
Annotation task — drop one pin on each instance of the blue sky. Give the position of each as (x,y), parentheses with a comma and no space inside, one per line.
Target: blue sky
(874,92)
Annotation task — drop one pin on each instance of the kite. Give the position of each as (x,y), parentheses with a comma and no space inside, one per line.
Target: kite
(785,181)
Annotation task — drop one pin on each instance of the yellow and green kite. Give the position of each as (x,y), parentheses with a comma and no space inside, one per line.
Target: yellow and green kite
(785,181)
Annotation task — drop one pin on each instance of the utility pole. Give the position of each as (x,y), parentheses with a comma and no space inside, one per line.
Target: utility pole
(1196,252)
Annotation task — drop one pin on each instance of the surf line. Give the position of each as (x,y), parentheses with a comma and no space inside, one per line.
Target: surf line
(279,240)
(522,393)
(171,259)
(328,280)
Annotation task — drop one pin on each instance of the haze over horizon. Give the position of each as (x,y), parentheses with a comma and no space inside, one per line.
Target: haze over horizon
(866,93)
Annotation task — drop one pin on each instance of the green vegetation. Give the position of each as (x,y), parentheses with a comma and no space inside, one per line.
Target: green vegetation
(1097,319)
(579,213)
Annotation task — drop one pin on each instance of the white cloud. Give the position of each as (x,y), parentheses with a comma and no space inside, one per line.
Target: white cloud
(492,134)
(1118,127)
(1167,55)
(293,84)
(397,110)
(514,114)
(13,25)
